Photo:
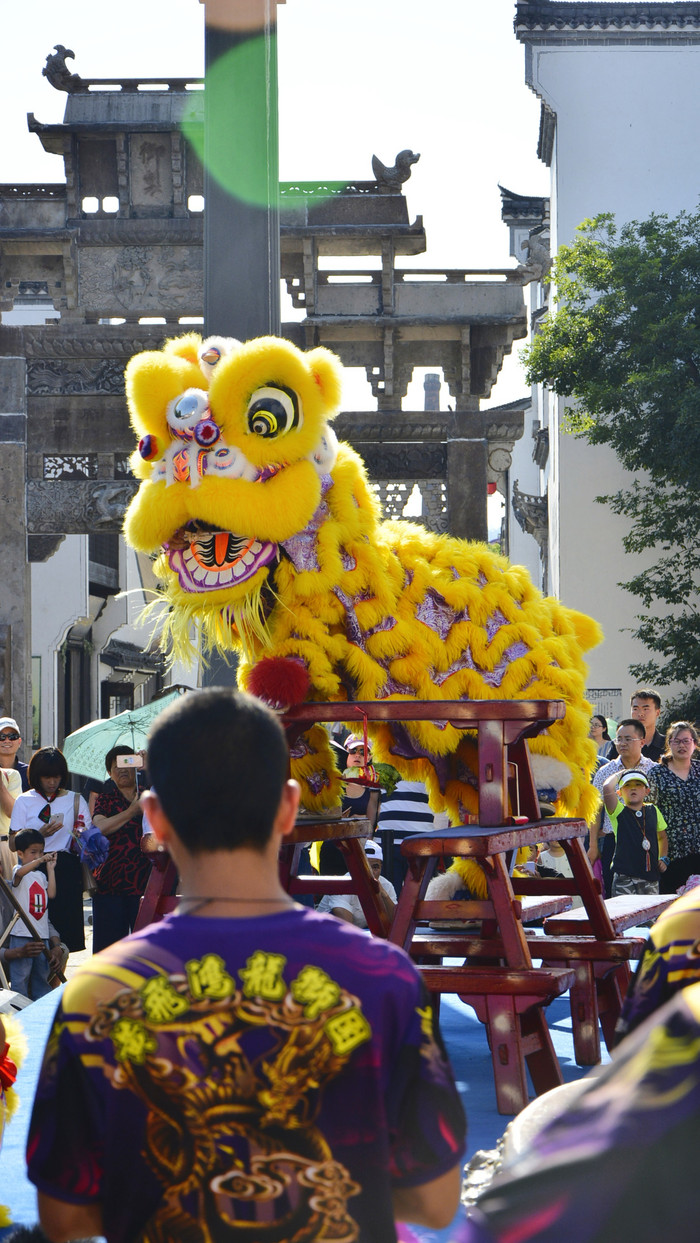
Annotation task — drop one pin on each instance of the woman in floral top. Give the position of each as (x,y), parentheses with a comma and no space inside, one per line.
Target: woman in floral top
(121,879)
(675,788)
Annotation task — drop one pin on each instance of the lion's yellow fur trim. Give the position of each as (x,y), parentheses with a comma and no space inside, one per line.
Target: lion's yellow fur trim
(472,875)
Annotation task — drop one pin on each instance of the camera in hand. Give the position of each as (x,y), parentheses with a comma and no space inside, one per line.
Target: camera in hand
(129,761)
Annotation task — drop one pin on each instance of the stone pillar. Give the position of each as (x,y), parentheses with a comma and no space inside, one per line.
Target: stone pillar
(467,461)
(15,597)
(431,389)
(241,169)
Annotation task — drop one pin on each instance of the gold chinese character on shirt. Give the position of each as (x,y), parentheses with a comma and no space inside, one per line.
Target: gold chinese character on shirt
(315,991)
(208,977)
(347,1030)
(161,1002)
(132,1041)
(262,976)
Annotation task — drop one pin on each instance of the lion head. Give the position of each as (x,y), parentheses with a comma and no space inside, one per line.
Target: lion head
(234,442)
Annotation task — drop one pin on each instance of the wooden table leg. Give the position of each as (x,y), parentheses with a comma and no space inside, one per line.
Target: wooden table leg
(502,1023)
(517,953)
(542,1061)
(161,883)
(493,773)
(589,889)
(584,1014)
(419,873)
(612,989)
(367,887)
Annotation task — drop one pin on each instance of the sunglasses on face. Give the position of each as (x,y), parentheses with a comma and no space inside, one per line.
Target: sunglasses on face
(9,737)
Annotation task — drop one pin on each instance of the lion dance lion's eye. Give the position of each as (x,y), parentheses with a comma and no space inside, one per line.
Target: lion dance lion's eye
(186,411)
(272,411)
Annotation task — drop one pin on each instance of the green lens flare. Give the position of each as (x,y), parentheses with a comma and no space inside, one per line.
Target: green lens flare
(237,144)
(240,147)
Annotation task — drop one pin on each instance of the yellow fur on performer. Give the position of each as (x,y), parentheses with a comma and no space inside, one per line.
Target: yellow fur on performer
(270,542)
(13,1049)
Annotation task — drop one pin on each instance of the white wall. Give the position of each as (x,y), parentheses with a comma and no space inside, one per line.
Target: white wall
(625,121)
(59,599)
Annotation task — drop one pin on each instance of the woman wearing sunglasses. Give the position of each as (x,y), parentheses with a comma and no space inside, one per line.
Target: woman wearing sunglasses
(56,811)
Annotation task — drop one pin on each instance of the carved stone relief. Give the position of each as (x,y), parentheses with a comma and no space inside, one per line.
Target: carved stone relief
(65,377)
(144,281)
(77,508)
(405,461)
(49,343)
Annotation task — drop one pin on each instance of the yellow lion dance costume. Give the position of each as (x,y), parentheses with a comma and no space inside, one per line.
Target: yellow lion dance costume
(271,542)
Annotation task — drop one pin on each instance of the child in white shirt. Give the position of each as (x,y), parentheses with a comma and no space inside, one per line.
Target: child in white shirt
(32,889)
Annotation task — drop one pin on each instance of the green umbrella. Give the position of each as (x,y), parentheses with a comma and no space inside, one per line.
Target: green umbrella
(85,749)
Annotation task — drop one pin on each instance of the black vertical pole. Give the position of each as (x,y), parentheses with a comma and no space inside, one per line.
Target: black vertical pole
(241,169)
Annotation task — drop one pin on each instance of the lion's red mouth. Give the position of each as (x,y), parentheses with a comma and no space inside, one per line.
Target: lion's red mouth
(209,560)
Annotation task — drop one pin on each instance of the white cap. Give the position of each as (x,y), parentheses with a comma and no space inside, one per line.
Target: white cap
(7,722)
(353,742)
(373,850)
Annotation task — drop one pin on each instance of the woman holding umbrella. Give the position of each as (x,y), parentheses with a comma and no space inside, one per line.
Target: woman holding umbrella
(121,879)
(53,809)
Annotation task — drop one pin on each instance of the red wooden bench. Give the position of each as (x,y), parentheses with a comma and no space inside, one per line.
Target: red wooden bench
(625,911)
(600,973)
(510,1004)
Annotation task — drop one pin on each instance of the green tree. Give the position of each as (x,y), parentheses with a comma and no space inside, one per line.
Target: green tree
(624,342)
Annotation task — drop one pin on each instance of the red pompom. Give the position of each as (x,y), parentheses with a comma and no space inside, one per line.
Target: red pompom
(280,681)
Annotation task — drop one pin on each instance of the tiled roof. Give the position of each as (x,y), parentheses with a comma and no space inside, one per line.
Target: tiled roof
(514,205)
(579,17)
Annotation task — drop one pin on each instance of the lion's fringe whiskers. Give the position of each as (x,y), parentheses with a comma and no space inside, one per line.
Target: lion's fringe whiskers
(189,630)
(251,624)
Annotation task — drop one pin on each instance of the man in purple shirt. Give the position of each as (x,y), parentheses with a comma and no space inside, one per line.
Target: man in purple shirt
(245,1068)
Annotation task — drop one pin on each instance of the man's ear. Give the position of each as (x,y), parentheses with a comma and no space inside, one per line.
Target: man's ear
(287,811)
(157,819)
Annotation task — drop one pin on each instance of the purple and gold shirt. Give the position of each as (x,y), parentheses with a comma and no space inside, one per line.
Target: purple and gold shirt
(222,1079)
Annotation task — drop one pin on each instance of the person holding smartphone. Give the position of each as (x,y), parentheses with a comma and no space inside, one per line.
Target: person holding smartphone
(121,879)
(57,813)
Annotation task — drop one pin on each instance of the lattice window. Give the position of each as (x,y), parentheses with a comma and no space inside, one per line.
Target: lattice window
(70,466)
(122,470)
(395,496)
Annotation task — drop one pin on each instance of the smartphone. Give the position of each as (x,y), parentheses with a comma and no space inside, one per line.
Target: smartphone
(129,761)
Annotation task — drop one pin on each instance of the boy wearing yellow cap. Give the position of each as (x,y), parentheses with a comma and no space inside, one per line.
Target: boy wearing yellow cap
(641,844)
